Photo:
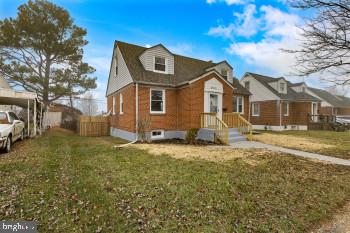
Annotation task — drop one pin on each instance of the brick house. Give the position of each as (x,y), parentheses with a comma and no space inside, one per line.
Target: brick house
(170,92)
(277,105)
(330,104)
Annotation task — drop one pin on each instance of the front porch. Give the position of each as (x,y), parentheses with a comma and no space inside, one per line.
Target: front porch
(232,127)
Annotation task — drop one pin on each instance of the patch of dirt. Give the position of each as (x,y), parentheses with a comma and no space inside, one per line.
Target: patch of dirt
(291,142)
(340,223)
(210,153)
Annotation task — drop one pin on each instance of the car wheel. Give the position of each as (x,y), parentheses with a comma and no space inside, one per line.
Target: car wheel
(22,135)
(8,145)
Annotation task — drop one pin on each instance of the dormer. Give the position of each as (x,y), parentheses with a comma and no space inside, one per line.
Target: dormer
(299,87)
(280,85)
(158,59)
(224,69)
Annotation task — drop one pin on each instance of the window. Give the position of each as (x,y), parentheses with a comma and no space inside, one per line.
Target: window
(282,87)
(303,89)
(224,73)
(255,109)
(157,134)
(285,109)
(113,106)
(121,104)
(159,64)
(238,104)
(3,118)
(247,85)
(334,111)
(116,70)
(157,101)
(12,117)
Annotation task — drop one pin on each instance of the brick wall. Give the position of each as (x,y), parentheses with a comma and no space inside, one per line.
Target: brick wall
(166,121)
(269,113)
(344,111)
(183,106)
(125,121)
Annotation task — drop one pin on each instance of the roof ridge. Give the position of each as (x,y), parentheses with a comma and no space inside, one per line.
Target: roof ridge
(175,54)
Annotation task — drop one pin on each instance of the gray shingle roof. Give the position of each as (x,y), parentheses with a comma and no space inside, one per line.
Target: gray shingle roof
(185,68)
(291,94)
(239,88)
(346,100)
(328,97)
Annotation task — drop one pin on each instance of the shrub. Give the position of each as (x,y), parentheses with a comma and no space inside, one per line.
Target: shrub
(191,135)
(144,129)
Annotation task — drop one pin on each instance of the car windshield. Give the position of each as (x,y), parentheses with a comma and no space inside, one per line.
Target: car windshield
(3,118)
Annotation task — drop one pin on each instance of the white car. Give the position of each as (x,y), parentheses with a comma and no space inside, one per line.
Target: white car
(11,129)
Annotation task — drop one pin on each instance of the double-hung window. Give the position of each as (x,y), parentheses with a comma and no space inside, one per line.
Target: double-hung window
(282,87)
(113,106)
(157,99)
(238,104)
(286,109)
(224,73)
(255,109)
(121,104)
(247,85)
(160,64)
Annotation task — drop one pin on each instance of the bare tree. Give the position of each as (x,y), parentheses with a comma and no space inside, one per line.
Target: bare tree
(325,44)
(88,105)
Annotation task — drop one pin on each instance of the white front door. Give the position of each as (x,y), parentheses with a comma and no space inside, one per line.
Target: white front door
(213,103)
(213,91)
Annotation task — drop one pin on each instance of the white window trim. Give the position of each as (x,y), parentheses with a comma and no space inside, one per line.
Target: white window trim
(121,103)
(158,136)
(154,65)
(150,101)
(242,104)
(254,109)
(113,105)
(286,114)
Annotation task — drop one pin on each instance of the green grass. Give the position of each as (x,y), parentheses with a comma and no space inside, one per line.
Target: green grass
(340,140)
(74,184)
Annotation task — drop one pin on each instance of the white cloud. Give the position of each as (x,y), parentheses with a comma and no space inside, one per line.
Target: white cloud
(222,31)
(277,30)
(246,25)
(230,2)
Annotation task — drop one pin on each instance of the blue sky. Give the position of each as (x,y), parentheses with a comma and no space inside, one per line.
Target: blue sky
(248,34)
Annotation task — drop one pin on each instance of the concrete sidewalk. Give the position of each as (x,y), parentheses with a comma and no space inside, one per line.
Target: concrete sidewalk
(330,159)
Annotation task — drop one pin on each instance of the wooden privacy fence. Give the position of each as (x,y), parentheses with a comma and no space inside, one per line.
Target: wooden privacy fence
(93,126)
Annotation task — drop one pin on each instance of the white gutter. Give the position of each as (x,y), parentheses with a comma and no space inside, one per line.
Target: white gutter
(136,119)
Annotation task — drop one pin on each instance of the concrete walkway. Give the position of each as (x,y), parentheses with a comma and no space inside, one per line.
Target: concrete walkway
(248,145)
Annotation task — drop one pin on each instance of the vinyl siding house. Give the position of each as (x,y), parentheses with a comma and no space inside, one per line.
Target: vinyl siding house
(173,93)
(330,104)
(276,105)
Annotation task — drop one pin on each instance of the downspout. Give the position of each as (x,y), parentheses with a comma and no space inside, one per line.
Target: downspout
(136,119)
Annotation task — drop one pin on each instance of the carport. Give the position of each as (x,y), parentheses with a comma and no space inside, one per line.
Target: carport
(27,100)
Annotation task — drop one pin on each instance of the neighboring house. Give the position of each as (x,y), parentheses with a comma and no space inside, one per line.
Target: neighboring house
(167,90)
(276,105)
(60,115)
(330,105)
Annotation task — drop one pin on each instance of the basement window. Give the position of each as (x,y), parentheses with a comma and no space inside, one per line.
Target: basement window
(159,64)
(157,134)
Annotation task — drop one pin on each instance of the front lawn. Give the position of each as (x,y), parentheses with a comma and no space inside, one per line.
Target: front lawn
(75,184)
(331,143)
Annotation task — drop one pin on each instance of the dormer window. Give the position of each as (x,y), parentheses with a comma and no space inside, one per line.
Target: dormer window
(159,64)
(224,73)
(282,87)
(303,89)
